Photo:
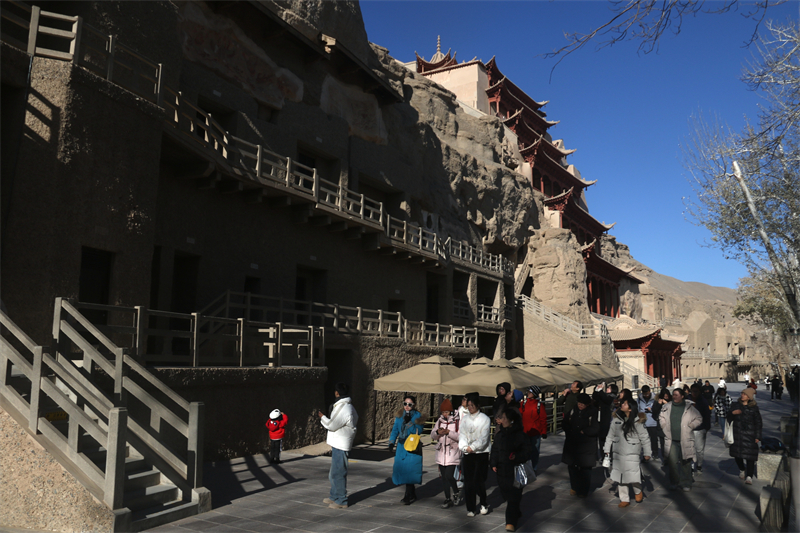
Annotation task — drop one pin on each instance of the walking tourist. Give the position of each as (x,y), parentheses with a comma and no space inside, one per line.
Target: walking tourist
(448,456)
(678,419)
(700,432)
(746,419)
(627,439)
(407,468)
(500,401)
(777,388)
(708,392)
(462,409)
(569,397)
(721,383)
(277,429)
(341,426)
(534,422)
(722,404)
(662,383)
(475,443)
(510,449)
(645,406)
(580,445)
(603,398)
(664,397)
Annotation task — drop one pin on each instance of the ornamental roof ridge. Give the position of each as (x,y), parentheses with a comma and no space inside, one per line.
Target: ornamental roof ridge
(564,195)
(583,182)
(452,67)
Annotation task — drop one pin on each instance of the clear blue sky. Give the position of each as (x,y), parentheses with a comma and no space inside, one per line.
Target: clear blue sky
(625,112)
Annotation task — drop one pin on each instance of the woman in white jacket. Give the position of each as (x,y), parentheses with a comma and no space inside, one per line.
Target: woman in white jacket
(475,443)
(627,439)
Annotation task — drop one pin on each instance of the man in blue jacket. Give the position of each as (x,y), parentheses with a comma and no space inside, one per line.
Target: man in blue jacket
(646,401)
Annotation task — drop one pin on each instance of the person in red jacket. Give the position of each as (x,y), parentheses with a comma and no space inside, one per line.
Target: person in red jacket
(534,421)
(277,429)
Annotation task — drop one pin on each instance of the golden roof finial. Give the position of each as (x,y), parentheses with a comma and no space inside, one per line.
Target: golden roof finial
(438,44)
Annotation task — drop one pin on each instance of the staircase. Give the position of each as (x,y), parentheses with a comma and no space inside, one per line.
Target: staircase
(575,329)
(644,379)
(124,435)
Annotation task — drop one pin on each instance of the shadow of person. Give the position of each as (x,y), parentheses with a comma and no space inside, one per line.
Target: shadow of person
(363,494)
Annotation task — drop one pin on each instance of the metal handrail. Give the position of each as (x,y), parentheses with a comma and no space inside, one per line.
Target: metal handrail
(566,324)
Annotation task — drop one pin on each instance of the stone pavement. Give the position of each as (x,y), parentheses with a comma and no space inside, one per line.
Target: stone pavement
(250,495)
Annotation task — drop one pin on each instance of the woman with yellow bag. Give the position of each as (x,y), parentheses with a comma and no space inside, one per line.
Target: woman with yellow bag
(408,426)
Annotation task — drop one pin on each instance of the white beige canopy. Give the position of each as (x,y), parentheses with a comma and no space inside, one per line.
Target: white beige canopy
(485,380)
(427,376)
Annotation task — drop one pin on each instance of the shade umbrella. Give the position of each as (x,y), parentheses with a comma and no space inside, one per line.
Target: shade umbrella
(426,376)
(544,361)
(520,362)
(580,372)
(612,374)
(553,374)
(484,380)
(477,364)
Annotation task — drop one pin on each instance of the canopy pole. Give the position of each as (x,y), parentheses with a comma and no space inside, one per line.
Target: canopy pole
(374,413)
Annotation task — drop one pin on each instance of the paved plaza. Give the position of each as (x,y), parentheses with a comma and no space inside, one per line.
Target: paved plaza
(251,495)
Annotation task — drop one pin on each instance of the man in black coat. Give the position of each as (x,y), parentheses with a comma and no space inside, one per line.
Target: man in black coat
(700,433)
(604,399)
(580,445)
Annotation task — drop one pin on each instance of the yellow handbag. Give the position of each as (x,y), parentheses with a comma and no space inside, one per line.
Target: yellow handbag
(411,443)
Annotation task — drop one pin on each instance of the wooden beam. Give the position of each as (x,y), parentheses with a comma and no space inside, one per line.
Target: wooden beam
(338,226)
(371,241)
(354,233)
(209,182)
(279,201)
(302,213)
(229,186)
(254,196)
(320,220)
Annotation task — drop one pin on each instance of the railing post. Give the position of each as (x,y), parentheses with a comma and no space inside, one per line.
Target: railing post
(115,457)
(381,214)
(110,60)
(399,325)
(316,186)
(160,85)
(380,322)
(194,465)
(359,327)
(240,335)
(288,171)
(336,317)
(279,356)
(195,340)
(362,206)
(36,383)
(119,356)
(340,202)
(405,330)
(75,45)
(310,345)
(259,156)
(438,333)
(33,29)
(389,225)
(142,321)
(405,232)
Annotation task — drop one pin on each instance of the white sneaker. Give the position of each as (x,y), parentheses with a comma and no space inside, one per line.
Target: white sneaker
(484,509)
(748,481)
(741,474)
(470,514)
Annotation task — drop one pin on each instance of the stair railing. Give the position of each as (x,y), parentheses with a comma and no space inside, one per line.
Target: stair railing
(179,459)
(63,382)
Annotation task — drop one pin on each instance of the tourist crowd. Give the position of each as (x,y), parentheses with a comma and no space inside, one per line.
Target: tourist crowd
(600,424)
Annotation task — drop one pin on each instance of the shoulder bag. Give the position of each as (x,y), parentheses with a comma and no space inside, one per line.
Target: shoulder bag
(728,440)
(411,443)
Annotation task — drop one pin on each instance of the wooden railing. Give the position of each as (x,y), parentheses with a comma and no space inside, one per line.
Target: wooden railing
(566,324)
(644,378)
(471,254)
(197,340)
(462,309)
(522,276)
(491,315)
(340,319)
(103,55)
(64,377)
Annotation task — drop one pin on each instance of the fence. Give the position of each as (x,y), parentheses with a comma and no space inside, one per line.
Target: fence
(340,319)
(86,46)
(64,379)
(576,329)
(164,337)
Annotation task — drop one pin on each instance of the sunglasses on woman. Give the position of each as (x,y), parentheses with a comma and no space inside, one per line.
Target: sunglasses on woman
(409,404)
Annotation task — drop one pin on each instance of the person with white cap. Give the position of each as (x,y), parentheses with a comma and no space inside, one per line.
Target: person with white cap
(277,429)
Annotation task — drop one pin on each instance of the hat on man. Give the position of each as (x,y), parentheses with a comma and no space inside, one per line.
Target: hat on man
(275,414)
(584,398)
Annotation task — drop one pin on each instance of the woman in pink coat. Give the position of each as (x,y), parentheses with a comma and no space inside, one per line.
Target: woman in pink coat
(448,456)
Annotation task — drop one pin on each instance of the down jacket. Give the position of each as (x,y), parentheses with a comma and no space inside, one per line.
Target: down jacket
(746,429)
(626,450)
(447,452)
(341,425)
(507,442)
(534,417)
(407,465)
(580,445)
(690,421)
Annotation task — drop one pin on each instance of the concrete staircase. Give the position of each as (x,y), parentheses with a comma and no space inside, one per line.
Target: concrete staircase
(133,443)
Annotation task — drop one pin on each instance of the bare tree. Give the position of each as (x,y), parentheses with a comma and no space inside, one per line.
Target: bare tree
(747,183)
(648,20)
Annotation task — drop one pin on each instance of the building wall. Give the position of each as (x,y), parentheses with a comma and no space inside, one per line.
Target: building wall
(468,83)
(538,340)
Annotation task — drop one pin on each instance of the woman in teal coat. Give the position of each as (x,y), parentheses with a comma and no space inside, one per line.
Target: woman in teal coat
(407,465)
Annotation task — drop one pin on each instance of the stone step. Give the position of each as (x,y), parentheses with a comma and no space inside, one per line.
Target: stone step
(142,479)
(150,497)
(172,511)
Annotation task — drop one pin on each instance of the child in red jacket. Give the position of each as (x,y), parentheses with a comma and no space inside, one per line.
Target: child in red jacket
(276,425)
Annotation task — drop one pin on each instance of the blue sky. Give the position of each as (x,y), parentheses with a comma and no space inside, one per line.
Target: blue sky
(626,113)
